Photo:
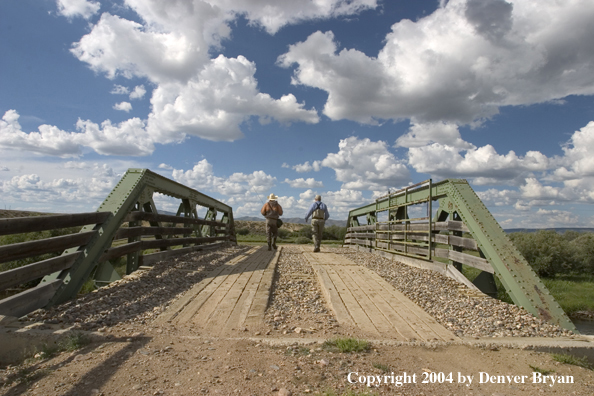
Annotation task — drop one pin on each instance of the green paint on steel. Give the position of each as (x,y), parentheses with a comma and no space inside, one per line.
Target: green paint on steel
(133,191)
(459,200)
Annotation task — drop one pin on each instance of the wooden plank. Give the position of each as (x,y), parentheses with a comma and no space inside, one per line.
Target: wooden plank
(401,327)
(369,235)
(119,251)
(424,324)
(160,243)
(369,227)
(465,243)
(34,271)
(212,302)
(42,223)
(238,317)
(355,310)
(258,307)
(131,232)
(466,259)
(332,296)
(191,310)
(21,250)
(29,300)
(189,296)
(147,216)
(472,261)
(383,326)
(218,318)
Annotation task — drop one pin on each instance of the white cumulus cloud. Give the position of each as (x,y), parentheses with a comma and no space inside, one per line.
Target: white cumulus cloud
(126,138)
(123,106)
(456,65)
(78,8)
(362,164)
(138,92)
(304,183)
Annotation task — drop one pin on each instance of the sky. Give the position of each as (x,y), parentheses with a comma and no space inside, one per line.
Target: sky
(344,98)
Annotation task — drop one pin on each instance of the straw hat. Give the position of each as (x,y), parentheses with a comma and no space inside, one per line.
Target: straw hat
(272,197)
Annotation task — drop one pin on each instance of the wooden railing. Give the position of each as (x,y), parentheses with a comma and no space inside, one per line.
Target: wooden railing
(371,236)
(73,246)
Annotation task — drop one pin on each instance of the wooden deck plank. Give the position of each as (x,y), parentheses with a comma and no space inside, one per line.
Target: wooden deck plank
(356,311)
(377,295)
(190,310)
(373,304)
(224,309)
(190,295)
(427,326)
(202,316)
(255,316)
(333,297)
(383,326)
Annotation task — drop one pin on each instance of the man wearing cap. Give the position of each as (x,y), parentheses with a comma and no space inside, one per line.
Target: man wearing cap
(319,214)
(272,211)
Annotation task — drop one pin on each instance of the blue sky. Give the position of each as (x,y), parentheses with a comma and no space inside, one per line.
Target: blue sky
(345,98)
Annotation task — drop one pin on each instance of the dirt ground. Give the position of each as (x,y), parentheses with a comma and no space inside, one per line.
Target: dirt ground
(140,358)
(170,362)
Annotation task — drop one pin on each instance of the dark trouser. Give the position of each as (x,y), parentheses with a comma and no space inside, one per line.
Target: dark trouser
(317,229)
(271,230)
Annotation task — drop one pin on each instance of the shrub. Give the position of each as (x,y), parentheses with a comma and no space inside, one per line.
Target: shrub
(242,231)
(584,252)
(548,252)
(283,233)
(302,240)
(334,232)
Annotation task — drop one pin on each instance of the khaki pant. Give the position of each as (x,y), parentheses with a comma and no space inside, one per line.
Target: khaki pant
(317,229)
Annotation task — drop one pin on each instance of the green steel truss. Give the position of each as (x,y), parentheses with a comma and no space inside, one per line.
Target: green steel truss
(458,201)
(134,192)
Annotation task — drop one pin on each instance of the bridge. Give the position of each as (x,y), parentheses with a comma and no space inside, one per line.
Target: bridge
(185,275)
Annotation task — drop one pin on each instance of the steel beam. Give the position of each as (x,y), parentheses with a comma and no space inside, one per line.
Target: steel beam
(133,192)
(458,201)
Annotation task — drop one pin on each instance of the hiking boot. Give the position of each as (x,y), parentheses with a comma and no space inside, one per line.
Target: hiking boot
(274,243)
(316,250)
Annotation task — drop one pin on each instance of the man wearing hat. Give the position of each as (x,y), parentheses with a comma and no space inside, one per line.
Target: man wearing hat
(272,211)
(319,214)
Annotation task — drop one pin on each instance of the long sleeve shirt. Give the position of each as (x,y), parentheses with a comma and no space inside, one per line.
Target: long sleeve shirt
(318,205)
(271,210)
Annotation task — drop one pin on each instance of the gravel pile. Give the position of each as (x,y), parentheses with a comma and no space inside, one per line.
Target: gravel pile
(297,305)
(140,296)
(443,298)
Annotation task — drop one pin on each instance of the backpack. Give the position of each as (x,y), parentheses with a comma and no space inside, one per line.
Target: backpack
(318,213)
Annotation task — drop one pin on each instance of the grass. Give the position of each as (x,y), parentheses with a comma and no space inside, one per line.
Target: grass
(383,367)
(573,292)
(570,359)
(539,370)
(347,345)
(71,343)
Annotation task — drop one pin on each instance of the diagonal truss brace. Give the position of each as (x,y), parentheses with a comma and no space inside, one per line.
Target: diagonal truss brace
(462,203)
(135,187)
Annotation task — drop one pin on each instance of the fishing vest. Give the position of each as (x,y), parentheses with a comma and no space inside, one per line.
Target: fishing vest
(318,213)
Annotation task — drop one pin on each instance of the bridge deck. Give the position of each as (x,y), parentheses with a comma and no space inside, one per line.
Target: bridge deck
(360,297)
(232,296)
(235,295)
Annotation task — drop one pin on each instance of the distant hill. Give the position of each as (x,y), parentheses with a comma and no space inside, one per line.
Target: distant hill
(560,230)
(295,220)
